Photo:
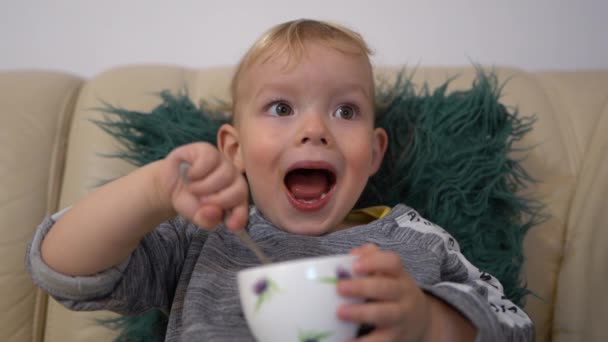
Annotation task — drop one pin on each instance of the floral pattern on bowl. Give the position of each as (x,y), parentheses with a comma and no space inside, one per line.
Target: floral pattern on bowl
(269,294)
(264,289)
(341,273)
(313,336)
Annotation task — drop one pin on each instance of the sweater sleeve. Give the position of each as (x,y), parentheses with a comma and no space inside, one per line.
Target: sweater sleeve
(147,279)
(477,295)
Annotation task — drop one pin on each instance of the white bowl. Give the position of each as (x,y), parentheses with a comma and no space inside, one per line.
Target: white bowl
(297,300)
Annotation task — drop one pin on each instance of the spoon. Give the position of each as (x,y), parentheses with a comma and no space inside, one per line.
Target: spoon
(240,233)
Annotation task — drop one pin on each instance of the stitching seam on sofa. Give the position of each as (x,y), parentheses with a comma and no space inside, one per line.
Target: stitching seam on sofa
(56,169)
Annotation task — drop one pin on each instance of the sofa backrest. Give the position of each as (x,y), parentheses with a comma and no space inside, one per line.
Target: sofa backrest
(52,157)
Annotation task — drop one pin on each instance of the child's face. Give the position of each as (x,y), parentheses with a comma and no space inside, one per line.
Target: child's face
(305,137)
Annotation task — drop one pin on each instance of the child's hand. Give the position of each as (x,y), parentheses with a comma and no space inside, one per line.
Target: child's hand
(396,306)
(210,190)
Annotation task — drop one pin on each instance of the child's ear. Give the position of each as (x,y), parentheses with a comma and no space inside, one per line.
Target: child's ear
(380,144)
(228,143)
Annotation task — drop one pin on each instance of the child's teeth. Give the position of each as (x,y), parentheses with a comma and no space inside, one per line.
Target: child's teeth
(314,200)
(309,201)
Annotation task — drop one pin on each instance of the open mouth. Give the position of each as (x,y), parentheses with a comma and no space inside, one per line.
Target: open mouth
(309,188)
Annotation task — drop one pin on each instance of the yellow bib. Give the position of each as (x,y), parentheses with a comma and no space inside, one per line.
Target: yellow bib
(367,215)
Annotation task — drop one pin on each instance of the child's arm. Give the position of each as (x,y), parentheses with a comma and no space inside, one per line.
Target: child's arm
(464,294)
(104,228)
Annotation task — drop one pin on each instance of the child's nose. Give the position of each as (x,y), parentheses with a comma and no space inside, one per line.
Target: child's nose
(315,131)
(321,140)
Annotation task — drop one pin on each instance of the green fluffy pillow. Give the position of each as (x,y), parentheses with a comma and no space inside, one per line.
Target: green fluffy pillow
(448,157)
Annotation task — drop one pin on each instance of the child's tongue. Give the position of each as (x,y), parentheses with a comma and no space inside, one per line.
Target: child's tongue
(307,184)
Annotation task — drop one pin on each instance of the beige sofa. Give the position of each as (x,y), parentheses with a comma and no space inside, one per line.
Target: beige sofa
(49,157)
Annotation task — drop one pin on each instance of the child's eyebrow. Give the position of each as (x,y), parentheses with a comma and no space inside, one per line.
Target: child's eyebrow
(339,90)
(355,88)
(281,87)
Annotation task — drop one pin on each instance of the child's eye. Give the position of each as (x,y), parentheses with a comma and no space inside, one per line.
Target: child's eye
(280,109)
(347,112)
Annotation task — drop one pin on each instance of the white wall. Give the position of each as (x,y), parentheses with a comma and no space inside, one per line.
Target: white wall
(86,37)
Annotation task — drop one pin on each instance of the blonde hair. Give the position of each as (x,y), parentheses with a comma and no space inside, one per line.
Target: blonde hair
(289,38)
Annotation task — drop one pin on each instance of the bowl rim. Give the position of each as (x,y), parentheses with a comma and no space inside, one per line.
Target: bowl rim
(295,262)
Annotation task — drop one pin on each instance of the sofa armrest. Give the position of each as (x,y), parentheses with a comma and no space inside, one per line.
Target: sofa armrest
(35,111)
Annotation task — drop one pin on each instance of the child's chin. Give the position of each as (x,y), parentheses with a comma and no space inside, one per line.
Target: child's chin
(311,229)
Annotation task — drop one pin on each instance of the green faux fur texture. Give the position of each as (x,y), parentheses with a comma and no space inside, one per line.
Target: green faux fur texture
(450,156)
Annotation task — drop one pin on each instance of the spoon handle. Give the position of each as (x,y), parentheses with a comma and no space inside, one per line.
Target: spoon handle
(248,241)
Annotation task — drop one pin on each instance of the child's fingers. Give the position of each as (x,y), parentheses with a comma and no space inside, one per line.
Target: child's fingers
(202,167)
(209,216)
(201,158)
(384,262)
(186,204)
(372,287)
(229,197)
(379,314)
(219,178)
(237,219)
(365,249)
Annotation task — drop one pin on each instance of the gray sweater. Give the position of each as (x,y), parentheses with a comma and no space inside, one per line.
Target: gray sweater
(190,273)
